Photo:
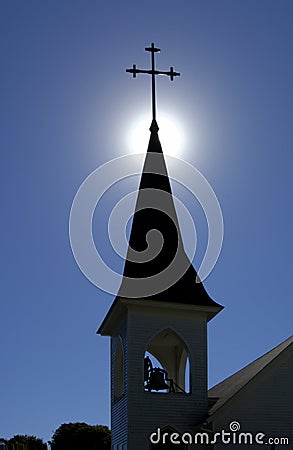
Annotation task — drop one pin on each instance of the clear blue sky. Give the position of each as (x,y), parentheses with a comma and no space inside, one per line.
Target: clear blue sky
(66,107)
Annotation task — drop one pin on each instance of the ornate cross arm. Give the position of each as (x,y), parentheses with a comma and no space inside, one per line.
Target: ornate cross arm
(134,71)
(169,73)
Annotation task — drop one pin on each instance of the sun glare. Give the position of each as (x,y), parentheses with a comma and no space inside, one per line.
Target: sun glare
(170,134)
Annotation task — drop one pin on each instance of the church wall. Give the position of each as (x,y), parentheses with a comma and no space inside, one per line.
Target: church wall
(264,405)
(119,407)
(148,411)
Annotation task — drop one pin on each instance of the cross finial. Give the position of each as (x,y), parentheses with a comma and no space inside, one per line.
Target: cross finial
(153,72)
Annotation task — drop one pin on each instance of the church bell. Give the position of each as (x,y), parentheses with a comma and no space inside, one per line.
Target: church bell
(157,380)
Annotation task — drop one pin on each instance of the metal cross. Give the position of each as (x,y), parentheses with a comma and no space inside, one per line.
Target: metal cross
(153,73)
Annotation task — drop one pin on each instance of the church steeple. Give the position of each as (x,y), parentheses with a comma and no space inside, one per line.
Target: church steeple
(155,212)
(161,312)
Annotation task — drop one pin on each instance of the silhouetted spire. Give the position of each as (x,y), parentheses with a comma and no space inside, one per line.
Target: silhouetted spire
(155,210)
(154,143)
(155,244)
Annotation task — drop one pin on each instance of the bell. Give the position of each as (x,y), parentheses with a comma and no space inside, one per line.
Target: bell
(157,380)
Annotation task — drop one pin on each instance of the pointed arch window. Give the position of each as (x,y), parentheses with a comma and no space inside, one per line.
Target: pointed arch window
(118,371)
(166,364)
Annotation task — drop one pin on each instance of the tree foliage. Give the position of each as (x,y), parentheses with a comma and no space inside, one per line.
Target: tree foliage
(79,435)
(24,442)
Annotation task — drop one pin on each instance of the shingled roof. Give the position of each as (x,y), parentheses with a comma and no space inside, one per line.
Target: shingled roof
(155,211)
(220,394)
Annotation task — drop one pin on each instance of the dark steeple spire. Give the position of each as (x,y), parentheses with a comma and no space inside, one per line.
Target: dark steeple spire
(154,144)
(155,239)
(155,210)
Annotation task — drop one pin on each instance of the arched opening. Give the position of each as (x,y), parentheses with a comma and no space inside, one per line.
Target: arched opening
(166,364)
(167,439)
(118,371)
(187,375)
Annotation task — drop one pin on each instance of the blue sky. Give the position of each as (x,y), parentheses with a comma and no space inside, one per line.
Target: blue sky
(67,106)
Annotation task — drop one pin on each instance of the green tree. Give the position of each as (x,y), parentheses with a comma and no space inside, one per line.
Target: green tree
(2,443)
(79,435)
(24,442)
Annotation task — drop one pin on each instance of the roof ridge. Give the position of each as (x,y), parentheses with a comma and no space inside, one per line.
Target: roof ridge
(243,376)
(286,341)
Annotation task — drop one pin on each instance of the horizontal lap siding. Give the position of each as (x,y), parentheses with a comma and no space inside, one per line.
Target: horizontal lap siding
(148,411)
(119,423)
(265,405)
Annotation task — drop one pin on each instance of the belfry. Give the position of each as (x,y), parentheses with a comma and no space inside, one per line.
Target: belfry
(158,320)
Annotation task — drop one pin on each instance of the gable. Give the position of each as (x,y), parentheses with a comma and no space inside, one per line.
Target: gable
(259,397)
(223,392)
